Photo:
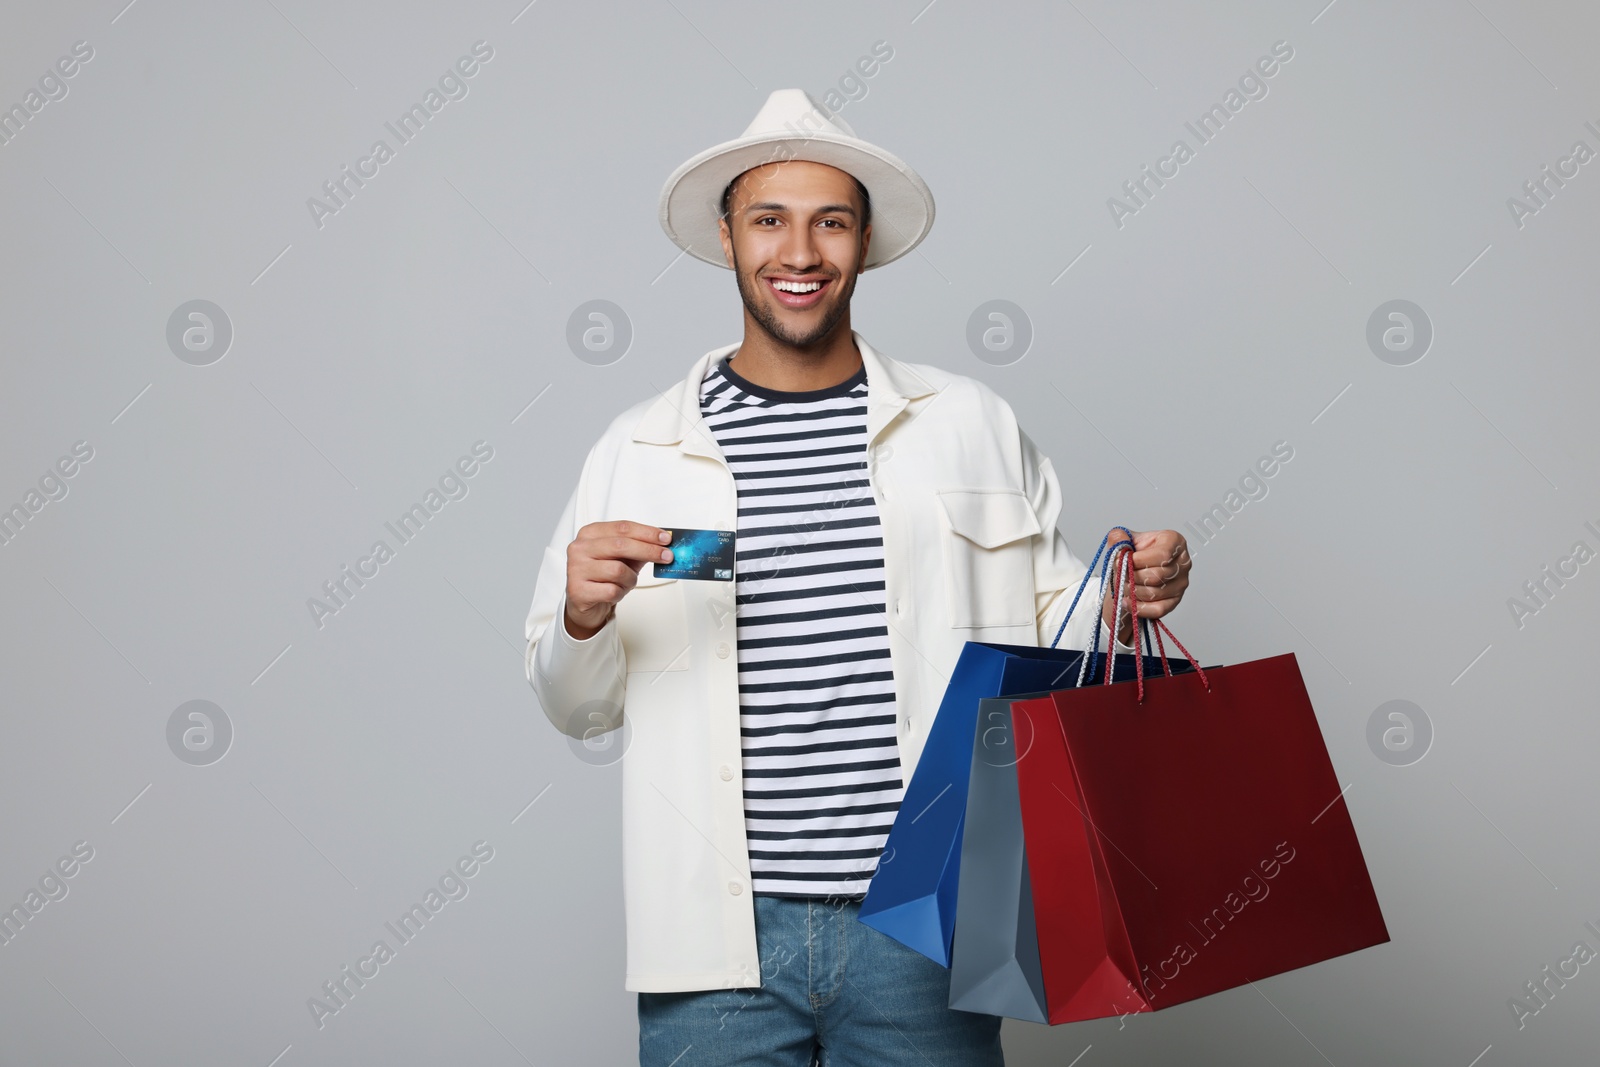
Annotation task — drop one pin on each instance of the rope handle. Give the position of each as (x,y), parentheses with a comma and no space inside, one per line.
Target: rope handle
(1121,568)
(1087,668)
(1084,584)
(1138,662)
(1124,579)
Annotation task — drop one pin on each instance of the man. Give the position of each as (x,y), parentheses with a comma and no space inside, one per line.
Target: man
(883,513)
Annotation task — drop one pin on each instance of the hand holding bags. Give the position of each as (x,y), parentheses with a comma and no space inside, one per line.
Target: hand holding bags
(1184,836)
(994,954)
(912,895)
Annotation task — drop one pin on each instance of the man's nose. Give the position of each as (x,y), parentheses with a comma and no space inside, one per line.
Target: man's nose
(799,252)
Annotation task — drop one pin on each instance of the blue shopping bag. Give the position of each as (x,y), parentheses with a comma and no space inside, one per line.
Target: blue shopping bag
(912,894)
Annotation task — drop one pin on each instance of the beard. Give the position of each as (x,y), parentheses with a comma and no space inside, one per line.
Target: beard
(763,309)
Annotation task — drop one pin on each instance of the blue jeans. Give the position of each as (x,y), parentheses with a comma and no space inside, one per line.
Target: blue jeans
(833,992)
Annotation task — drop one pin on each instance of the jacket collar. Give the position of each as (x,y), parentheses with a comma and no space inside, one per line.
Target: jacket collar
(675,416)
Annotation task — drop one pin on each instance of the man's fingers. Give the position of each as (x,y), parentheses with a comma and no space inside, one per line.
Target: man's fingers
(1155,573)
(638,531)
(1150,594)
(1158,596)
(631,548)
(1155,609)
(622,573)
(1159,554)
(1165,562)
(1167,593)
(1152,584)
(1161,577)
(622,540)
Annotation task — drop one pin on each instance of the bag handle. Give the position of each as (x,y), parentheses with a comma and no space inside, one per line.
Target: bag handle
(1124,580)
(1086,665)
(1086,670)
(1085,584)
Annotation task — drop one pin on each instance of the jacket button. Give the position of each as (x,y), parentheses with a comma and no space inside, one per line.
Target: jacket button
(905,724)
(735,888)
(899,607)
(727,773)
(722,650)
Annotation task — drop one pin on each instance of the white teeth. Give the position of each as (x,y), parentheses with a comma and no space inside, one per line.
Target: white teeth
(797,287)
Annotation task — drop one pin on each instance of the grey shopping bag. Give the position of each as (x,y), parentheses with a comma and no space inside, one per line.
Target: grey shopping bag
(994,958)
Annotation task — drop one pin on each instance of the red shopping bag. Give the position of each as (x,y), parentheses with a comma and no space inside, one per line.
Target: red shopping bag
(1184,836)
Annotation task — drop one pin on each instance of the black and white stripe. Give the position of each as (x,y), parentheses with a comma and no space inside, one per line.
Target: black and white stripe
(821,763)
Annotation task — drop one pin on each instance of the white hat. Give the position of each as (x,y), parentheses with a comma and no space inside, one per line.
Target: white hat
(790,125)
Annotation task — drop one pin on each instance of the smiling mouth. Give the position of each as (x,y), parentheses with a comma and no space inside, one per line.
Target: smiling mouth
(810,296)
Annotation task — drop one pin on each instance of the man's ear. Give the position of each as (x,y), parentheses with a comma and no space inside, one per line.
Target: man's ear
(866,241)
(725,234)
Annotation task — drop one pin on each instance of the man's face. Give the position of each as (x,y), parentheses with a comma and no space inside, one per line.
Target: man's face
(795,224)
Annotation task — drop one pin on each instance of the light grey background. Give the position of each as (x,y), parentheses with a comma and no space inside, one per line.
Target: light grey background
(368,355)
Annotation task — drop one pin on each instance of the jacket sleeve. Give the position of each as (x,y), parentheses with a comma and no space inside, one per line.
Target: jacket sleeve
(579,684)
(1056,570)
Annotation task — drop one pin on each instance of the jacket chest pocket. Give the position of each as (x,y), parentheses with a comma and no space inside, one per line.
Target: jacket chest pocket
(653,625)
(988,556)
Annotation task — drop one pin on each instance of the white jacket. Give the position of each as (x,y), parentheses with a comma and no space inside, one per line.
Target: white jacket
(968,508)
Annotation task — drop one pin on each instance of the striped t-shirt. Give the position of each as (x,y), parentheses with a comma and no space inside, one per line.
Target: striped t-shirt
(816,692)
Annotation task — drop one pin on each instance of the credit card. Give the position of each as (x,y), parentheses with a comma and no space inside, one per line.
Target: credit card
(706,555)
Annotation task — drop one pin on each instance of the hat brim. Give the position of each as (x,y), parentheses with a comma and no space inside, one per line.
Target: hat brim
(691,200)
